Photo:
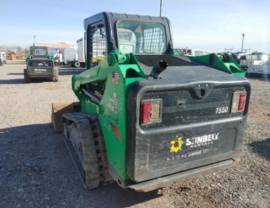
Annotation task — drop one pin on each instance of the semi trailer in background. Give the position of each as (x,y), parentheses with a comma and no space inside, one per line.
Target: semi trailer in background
(64,56)
(81,51)
(63,53)
(70,57)
(255,62)
(3,58)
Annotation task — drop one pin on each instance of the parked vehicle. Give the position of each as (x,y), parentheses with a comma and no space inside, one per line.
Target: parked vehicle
(39,65)
(147,116)
(241,58)
(258,63)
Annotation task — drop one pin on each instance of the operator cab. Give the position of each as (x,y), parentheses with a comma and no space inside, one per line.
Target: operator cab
(148,38)
(147,41)
(39,52)
(40,57)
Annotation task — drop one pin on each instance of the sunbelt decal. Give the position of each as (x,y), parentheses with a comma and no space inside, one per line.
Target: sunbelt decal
(176,145)
(201,140)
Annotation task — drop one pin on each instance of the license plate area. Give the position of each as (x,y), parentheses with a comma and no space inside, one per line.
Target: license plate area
(39,70)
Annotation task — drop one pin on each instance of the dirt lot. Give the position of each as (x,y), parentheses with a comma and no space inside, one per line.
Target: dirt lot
(36,171)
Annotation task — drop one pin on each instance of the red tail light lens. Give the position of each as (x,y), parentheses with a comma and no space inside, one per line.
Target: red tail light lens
(239,101)
(150,111)
(242,102)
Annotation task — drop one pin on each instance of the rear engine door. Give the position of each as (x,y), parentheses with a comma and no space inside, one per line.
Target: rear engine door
(179,128)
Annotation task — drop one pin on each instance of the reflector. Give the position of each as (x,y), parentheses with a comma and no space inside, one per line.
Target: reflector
(150,111)
(239,101)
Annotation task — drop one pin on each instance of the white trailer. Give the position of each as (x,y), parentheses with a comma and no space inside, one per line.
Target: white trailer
(256,63)
(81,51)
(69,56)
(3,58)
(64,56)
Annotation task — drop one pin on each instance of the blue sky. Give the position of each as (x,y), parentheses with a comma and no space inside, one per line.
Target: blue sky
(202,24)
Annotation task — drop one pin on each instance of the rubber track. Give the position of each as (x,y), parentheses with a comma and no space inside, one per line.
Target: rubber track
(90,155)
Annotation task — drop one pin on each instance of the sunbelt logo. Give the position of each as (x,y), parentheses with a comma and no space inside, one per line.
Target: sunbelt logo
(176,145)
(202,140)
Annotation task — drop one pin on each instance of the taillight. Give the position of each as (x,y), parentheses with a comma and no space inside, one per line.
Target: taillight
(150,111)
(48,63)
(239,101)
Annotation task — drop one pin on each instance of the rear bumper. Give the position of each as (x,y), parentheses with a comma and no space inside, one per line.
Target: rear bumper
(34,73)
(38,76)
(174,178)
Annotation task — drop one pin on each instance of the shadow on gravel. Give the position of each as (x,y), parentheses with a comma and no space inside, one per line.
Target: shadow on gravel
(262,148)
(37,171)
(21,81)
(11,81)
(115,197)
(15,73)
(70,71)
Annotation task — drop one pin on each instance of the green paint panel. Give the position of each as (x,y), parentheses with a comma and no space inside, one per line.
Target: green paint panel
(112,109)
(227,64)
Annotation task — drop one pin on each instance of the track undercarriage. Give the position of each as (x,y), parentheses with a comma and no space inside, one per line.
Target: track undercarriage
(85,144)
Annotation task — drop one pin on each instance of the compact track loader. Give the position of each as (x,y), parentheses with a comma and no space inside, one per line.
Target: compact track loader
(40,65)
(148,116)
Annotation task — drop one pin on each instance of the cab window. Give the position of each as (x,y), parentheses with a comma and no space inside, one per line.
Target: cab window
(141,37)
(99,46)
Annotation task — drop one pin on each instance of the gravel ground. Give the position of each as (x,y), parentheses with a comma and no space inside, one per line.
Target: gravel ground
(36,171)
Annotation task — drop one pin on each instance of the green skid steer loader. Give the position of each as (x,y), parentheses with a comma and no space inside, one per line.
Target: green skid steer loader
(40,65)
(147,116)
